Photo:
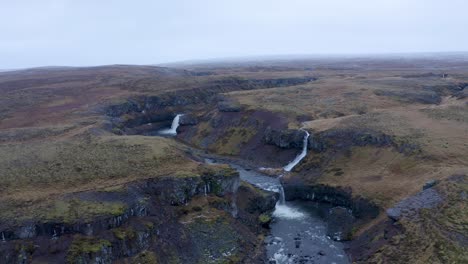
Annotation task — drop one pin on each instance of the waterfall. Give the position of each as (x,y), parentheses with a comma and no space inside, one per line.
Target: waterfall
(3,237)
(174,126)
(299,157)
(235,210)
(282,210)
(282,199)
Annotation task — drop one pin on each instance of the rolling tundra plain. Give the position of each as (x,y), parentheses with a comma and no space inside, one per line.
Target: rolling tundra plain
(314,160)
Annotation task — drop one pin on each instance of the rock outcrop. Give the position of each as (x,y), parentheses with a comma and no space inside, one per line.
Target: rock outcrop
(132,116)
(188,120)
(146,222)
(360,207)
(410,206)
(289,138)
(229,106)
(422,97)
(255,205)
(344,139)
(340,222)
(201,95)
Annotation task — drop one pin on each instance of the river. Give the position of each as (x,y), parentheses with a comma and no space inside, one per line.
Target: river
(297,233)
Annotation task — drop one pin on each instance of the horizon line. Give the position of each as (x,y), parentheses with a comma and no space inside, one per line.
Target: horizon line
(259,58)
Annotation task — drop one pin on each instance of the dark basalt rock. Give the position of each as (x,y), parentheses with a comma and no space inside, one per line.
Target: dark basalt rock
(146,224)
(260,203)
(289,138)
(248,84)
(344,139)
(130,106)
(423,97)
(229,106)
(340,222)
(140,110)
(316,143)
(167,191)
(430,184)
(462,94)
(178,191)
(205,95)
(337,196)
(410,207)
(457,90)
(424,75)
(255,205)
(188,120)
(147,117)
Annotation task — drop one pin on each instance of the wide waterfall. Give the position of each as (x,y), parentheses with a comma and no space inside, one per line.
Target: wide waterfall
(174,126)
(299,157)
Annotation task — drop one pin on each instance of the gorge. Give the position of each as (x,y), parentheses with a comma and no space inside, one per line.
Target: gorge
(314,161)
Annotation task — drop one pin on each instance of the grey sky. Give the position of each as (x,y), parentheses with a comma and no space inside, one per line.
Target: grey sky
(93,32)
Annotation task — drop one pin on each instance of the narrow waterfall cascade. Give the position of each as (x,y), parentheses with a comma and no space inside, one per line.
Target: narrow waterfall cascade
(175,124)
(299,157)
(297,233)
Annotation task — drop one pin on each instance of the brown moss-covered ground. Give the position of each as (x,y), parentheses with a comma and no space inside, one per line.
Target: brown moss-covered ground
(433,235)
(53,142)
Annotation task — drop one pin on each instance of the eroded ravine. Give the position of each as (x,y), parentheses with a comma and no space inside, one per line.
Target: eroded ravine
(298,234)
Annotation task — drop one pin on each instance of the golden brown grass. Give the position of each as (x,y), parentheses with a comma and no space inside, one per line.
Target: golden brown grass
(37,169)
(347,102)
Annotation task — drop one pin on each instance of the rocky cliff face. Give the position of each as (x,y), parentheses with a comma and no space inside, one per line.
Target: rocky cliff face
(161,215)
(289,138)
(337,196)
(201,95)
(347,210)
(344,139)
(134,115)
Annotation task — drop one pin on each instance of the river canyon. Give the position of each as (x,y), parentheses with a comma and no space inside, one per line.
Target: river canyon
(313,161)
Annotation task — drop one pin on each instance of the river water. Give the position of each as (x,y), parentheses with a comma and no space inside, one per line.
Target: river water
(298,232)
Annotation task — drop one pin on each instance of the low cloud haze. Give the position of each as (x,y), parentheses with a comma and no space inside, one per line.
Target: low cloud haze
(90,32)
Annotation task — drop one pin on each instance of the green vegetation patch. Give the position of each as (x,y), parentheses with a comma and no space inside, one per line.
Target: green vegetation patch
(76,210)
(82,247)
(264,219)
(255,190)
(217,170)
(123,233)
(232,140)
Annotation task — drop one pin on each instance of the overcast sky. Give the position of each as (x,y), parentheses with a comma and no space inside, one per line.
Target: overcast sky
(96,32)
